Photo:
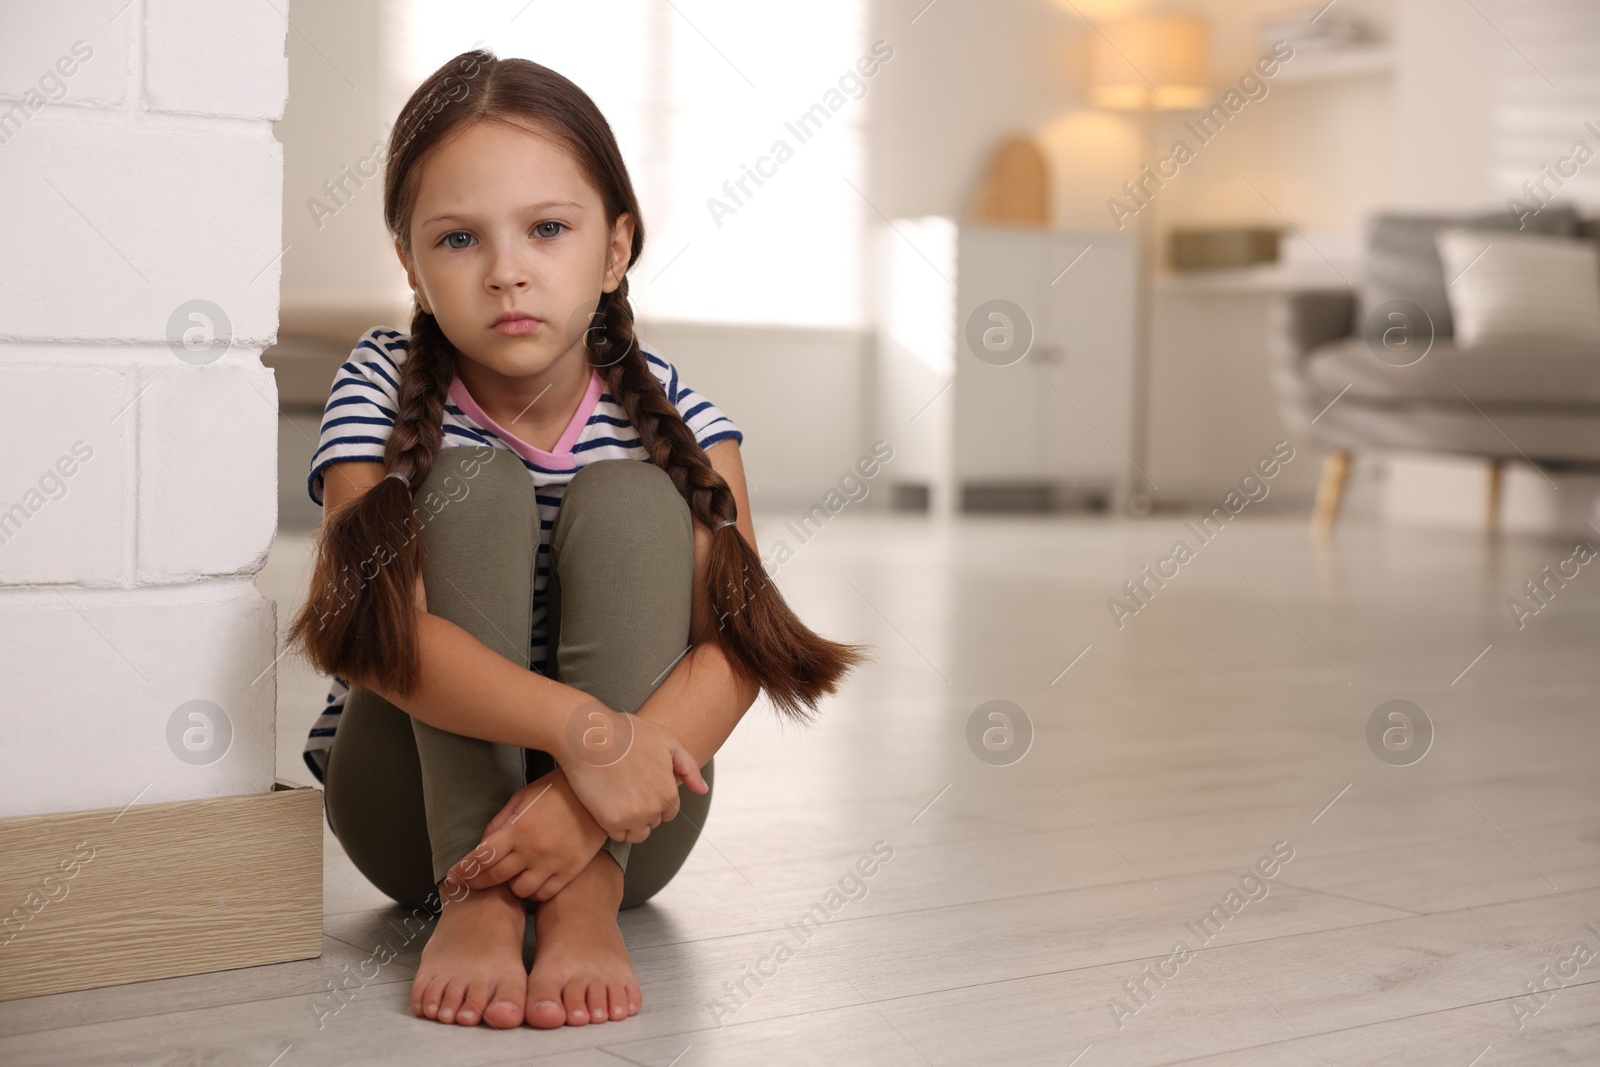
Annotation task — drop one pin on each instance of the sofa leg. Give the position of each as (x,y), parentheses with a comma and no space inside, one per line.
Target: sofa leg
(1335,475)
(1496,486)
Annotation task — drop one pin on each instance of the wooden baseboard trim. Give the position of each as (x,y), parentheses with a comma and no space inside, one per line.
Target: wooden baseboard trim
(106,897)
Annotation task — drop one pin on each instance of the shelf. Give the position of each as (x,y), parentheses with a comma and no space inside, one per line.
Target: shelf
(1255,281)
(1311,65)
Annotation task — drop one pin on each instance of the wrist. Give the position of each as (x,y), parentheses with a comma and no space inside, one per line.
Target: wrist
(553,730)
(592,831)
(595,736)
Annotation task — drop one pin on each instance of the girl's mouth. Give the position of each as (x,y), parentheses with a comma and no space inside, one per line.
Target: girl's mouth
(516,327)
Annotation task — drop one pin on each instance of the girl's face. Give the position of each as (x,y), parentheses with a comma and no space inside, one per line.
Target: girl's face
(505,221)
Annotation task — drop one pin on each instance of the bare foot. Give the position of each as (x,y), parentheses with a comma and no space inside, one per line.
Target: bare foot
(581,971)
(472,965)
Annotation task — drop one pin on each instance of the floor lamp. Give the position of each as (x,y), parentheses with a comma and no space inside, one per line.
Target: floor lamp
(1147,64)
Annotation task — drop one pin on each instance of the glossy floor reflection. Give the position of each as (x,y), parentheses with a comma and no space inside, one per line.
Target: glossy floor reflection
(1031,911)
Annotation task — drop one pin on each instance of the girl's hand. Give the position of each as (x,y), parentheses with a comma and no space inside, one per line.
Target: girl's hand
(625,769)
(538,842)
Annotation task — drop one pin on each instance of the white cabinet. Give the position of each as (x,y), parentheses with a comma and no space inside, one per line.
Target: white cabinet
(1006,362)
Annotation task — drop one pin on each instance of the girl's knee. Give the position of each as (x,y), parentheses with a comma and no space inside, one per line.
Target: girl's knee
(459,471)
(630,483)
(634,501)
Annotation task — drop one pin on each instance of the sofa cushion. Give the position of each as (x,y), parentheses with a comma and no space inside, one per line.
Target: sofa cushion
(1528,289)
(1403,260)
(1490,375)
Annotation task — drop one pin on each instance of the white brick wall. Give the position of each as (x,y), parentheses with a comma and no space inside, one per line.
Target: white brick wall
(143,192)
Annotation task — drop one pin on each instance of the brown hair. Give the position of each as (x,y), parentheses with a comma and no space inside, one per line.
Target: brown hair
(370,632)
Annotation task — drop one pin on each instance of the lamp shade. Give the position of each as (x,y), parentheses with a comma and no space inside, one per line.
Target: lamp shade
(1154,61)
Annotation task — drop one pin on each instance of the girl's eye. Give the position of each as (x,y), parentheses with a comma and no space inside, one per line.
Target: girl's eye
(549,222)
(455,233)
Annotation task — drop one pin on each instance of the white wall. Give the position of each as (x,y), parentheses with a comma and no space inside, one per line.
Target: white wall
(342,105)
(137,497)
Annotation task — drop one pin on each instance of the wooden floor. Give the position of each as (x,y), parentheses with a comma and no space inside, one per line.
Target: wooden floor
(1024,903)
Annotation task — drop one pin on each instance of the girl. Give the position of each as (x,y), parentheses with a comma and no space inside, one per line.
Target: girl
(534,637)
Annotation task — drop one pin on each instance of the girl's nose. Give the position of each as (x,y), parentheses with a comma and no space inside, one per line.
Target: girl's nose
(511,269)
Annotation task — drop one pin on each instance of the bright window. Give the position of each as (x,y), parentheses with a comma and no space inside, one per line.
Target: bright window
(699,93)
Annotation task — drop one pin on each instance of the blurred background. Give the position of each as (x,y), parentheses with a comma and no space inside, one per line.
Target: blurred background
(994,131)
(1233,372)
(1170,208)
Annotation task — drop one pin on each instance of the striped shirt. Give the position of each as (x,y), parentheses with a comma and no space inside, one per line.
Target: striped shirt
(361,412)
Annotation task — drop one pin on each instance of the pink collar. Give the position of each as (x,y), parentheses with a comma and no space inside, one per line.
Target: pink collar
(562,455)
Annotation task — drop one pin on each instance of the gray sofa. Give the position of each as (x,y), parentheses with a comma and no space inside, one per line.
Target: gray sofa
(1338,385)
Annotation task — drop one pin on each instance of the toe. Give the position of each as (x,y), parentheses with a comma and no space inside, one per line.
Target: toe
(449,1002)
(505,1010)
(544,1008)
(432,997)
(575,997)
(635,998)
(598,1011)
(472,1002)
(618,997)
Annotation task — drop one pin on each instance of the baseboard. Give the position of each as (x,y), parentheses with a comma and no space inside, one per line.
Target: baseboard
(1022,496)
(106,897)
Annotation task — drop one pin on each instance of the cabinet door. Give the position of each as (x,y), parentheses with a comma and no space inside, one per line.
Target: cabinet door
(1063,413)
(1087,392)
(1002,297)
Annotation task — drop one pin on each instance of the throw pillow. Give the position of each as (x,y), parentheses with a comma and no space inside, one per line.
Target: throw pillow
(1403,260)
(1521,289)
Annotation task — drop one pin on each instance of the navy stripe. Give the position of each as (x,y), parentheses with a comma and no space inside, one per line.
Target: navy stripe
(344,420)
(461,431)
(726,435)
(356,370)
(356,379)
(364,343)
(602,442)
(348,440)
(311,479)
(697,409)
(531,465)
(359,400)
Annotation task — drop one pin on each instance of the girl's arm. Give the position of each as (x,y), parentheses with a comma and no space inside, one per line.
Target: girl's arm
(702,700)
(465,686)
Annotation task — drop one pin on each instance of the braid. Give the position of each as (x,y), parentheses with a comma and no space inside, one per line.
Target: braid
(366,629)
(765,642)
(419,424)
(662,431)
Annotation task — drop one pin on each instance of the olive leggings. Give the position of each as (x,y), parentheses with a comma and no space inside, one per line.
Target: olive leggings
(407,800)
